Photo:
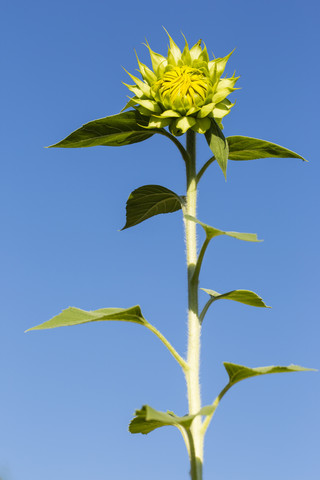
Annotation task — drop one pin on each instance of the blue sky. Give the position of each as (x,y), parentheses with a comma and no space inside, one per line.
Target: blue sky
(67,395)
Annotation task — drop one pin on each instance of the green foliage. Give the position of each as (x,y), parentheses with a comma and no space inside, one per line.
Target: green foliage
(240,372)
(248,148)
(218,145)
(150,200)
(114,131)
(243,296)
(148,419)
(186,93)
(76,316)
(237,373)
(212,232)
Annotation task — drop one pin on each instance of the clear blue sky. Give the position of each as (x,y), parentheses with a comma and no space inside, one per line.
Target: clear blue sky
(68,395)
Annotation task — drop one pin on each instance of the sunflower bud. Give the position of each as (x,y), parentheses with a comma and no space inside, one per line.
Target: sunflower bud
(183,90)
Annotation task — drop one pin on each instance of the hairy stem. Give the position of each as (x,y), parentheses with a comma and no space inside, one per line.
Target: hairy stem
(194,327)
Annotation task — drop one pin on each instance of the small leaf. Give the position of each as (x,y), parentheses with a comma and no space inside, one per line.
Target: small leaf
(76,316)
(115,131)
(148,419)
(212,232)
(150,200)
(247,148)
(240,372)
(243,296)
(218,145)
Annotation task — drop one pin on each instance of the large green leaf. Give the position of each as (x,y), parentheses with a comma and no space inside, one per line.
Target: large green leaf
(243,296)
(218,145)
(115,131)
(148,419)
(76,316)
(247,148)
(150,200)
(212,232)
(237,373)
(240,372)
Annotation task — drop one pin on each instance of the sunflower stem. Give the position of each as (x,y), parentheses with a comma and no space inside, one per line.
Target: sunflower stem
(194,326)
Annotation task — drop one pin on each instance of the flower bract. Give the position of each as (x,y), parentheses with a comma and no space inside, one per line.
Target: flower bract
(183,90)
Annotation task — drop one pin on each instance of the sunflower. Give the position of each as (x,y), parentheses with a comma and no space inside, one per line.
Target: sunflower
(183,90)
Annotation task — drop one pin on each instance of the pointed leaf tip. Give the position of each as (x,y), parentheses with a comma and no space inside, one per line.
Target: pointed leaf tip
(114,131)
(248,148)
(75,316)
(242,296)
(237,373)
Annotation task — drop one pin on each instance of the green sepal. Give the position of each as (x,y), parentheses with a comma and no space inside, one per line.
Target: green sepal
(134,89)
(222,109)
(204,57)
(148,419)
(237,373)
(195,51)
(76,316)
(131,103)
(174,52)
(150,200)
(206,110)
(170,114)
(144,87)
(243,296)
(147,74)
(248,148)
(149,105)
(218,145)
(217,67)
(186,57)
(224,88)
(181,125)
(158,122)
(212,232)
(201,125)
(114,131)
(159,62)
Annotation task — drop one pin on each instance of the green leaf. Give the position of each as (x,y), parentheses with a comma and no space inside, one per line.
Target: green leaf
(243,296)
(148,419)
(218,145)
(150,200)
(212,232)
(247,148)
(240,372)
(114,131)
(76,316)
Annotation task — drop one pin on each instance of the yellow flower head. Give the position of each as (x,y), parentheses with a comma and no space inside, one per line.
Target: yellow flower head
(183,90)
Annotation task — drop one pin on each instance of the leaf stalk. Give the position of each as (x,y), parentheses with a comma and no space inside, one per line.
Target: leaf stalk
(204,168)
(171,349)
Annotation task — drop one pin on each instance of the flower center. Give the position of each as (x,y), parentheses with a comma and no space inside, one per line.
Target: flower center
(185,85)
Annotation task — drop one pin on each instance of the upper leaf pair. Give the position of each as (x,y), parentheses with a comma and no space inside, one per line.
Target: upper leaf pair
(130,127)
(242,148)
